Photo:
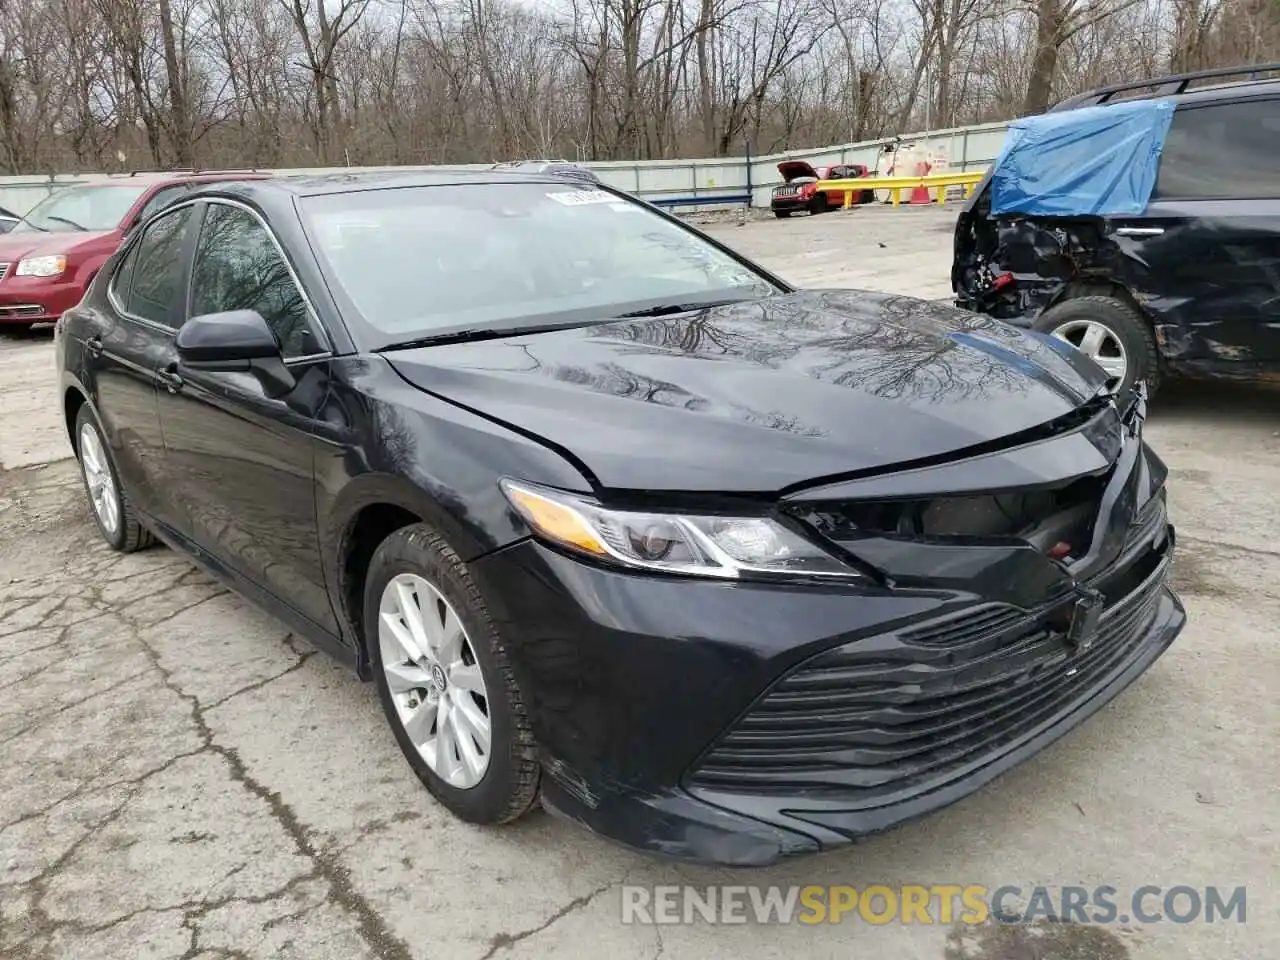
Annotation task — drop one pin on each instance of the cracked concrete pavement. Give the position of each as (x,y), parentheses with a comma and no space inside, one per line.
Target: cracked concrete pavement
(181,778)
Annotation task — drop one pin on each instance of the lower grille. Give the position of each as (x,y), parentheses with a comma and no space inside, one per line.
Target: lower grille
(23,310)
(903,713)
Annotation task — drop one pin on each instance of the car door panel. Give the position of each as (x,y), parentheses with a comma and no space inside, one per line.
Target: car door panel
(242,462)
(124,347)
(242,470)
(1209,240)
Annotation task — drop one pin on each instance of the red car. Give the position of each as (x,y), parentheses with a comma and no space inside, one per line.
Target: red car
(51,254)
(800,190)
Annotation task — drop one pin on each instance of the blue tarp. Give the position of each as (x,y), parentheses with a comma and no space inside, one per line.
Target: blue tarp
(1090,161)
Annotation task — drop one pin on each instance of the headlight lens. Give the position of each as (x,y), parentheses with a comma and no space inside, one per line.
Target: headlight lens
(42,266)
(708,546)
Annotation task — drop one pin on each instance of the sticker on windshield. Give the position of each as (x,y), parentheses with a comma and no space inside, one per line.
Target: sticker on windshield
(577,198)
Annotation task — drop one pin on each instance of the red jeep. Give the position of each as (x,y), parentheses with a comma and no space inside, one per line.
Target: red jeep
(51,254)
(800,190)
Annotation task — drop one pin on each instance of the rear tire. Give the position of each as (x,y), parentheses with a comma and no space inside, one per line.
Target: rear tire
(108,502)
(1107,329)
(460,671)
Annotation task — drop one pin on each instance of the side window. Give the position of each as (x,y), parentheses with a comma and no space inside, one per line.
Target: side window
(155,264)
(124,276)
(160,198)
(1221,151)
(237,267)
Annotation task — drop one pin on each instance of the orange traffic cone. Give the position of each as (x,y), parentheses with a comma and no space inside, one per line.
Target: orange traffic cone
(921,194)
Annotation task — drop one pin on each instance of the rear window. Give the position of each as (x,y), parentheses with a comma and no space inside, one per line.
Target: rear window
(1221,151)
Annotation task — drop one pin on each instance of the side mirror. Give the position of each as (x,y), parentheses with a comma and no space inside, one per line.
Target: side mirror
(235,341)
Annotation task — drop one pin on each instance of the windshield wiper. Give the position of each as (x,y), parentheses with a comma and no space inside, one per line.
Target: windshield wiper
(33,226)
(480,333)
(669,309)
(70,223)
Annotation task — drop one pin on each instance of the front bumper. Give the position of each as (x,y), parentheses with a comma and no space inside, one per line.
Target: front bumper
(792,203)
(633,685)
(37,299)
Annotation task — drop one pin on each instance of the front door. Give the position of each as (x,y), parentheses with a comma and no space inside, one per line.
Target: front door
(125,346)
(242,459)
(1209,241)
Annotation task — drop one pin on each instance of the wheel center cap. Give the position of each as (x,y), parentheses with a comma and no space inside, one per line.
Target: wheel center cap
(438,679)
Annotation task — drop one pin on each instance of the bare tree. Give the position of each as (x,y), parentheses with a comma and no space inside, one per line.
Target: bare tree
(116,84)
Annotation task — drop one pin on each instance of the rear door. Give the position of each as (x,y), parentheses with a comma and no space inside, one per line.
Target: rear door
(124,346)
(1206,253)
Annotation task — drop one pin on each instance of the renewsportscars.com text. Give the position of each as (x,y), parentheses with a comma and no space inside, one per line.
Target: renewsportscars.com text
(942,903)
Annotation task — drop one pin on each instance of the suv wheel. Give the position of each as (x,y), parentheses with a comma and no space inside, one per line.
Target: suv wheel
(444,680)
(818,204)
(1111,333)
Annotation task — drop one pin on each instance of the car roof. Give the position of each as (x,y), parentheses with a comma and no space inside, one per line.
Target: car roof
(151,178)
(1179,89)
(337,183)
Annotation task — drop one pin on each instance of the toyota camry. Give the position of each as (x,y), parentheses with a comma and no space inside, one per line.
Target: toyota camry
(614,519)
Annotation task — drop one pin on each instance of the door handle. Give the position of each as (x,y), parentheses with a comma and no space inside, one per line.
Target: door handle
(94,346)
(1139,231)
(169,377)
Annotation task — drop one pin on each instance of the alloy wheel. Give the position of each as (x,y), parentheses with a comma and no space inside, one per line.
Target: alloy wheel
(97,476)
(1098,342)
(434,680)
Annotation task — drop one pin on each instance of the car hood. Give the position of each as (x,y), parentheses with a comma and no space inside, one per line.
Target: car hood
(765,395)
(25,245)
(795,169)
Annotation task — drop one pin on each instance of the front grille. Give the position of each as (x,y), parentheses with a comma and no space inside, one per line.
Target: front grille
(786,191)
(22,310)
(899,714)
(4,270)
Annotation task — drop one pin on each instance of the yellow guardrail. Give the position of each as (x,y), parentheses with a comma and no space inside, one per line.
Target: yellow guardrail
(898,184)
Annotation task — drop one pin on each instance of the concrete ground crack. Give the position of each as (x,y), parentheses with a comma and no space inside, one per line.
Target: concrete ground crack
(1228,547)
(662,947)
(46,717)
(373,929)
(505,941)
(303,657)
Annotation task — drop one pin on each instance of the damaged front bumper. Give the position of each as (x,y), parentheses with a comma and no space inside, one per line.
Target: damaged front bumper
(741,723)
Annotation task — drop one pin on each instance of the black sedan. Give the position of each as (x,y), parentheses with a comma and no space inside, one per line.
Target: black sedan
(614,518)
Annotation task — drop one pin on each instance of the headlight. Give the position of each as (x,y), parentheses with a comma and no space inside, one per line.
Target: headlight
(41,266)
(707,546)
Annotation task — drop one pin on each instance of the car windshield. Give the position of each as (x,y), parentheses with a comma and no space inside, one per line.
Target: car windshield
(416,262)
(82,208)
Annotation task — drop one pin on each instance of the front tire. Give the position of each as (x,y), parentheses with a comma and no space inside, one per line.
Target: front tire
(444,679)
(1112,333)
(818,204)
(782,214)
(108,502)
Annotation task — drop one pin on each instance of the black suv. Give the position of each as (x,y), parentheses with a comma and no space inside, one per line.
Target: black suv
(1191,285)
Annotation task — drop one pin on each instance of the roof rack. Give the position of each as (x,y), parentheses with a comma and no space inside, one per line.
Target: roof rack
(1164,86)
(134,173)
